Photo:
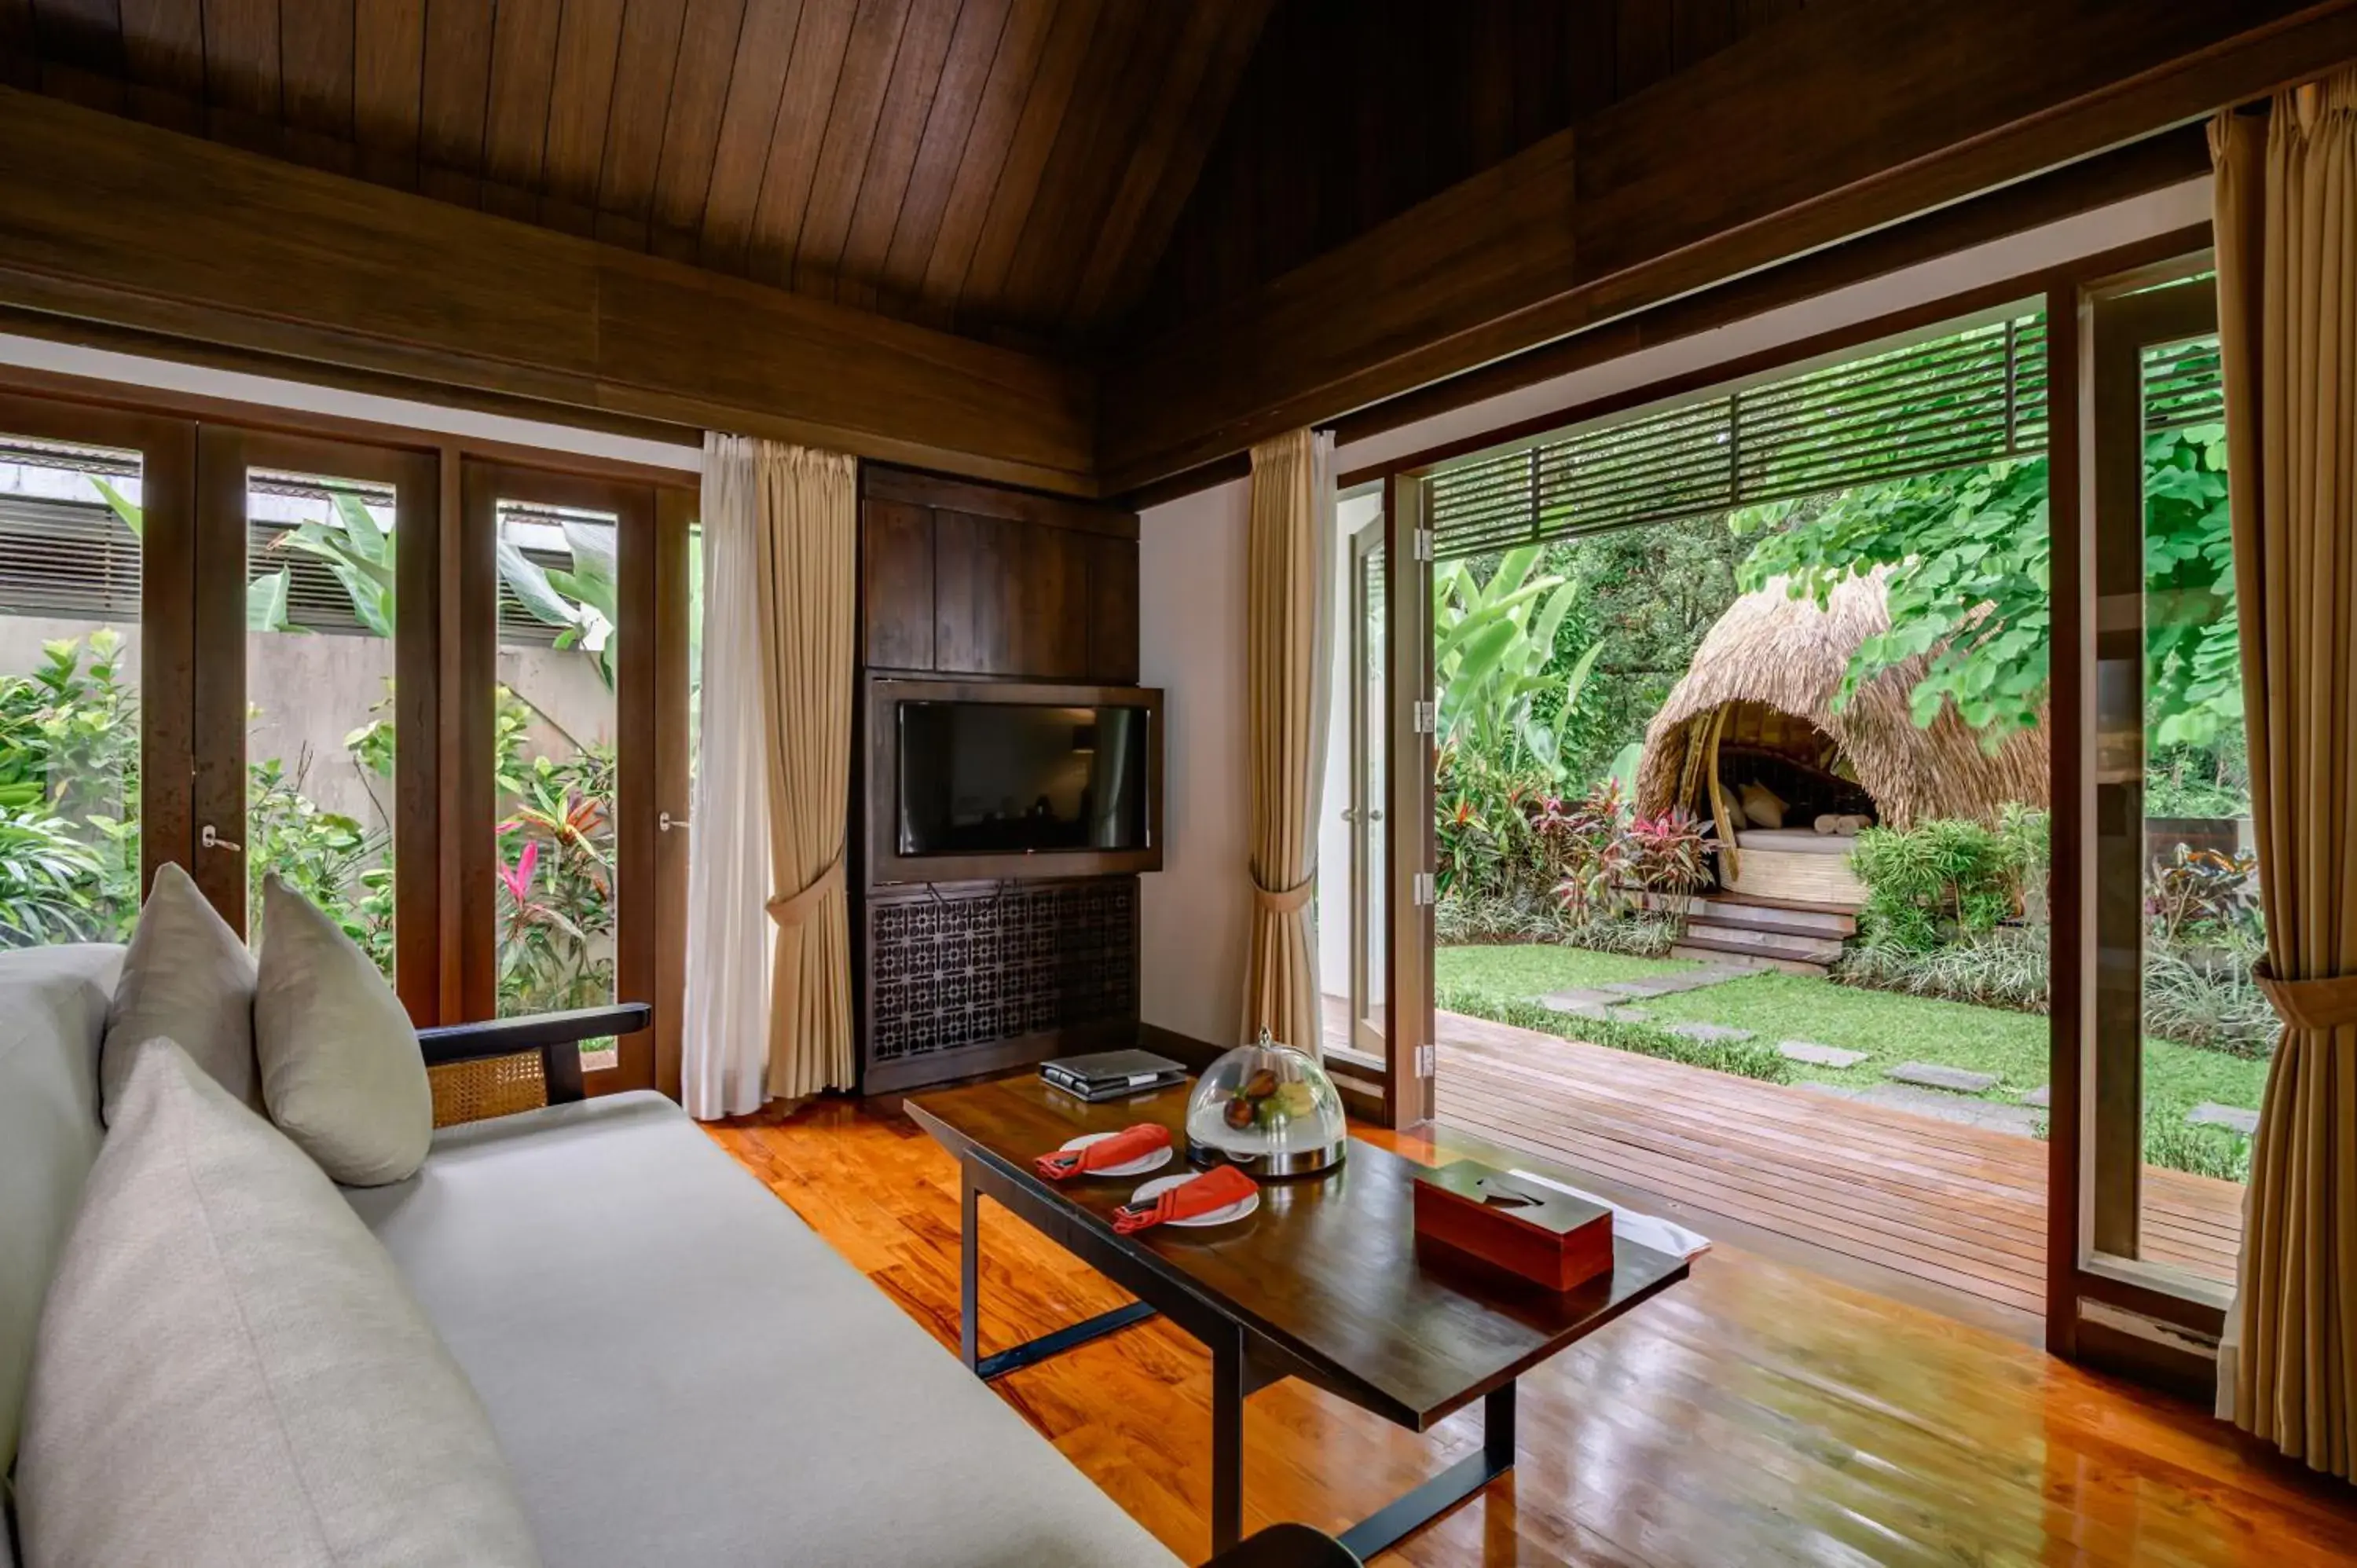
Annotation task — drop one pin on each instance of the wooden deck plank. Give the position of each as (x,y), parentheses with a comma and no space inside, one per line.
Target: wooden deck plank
(1960,1206)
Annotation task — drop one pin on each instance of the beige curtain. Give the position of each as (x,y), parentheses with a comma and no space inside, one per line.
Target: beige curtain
(2286,234)
(1287,629)
(808,505)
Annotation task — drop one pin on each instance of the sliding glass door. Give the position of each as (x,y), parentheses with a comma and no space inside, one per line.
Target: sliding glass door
(2173,1037)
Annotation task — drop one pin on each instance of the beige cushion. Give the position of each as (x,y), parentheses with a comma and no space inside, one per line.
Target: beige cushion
(1763,807)
(340,1068)
(188,978)
(53,1005)
(230,1370)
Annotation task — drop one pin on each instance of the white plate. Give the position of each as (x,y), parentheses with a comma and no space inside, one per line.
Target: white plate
(1153,1189)
(1153,1161)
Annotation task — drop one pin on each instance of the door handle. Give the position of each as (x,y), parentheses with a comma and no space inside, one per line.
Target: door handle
(666,821)
(208,839)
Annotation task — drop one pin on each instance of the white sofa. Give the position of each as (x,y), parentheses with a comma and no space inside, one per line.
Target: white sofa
(677,1368)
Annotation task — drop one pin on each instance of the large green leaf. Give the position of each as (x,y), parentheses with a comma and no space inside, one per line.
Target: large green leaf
(265,602)
(532,588)
(134,516)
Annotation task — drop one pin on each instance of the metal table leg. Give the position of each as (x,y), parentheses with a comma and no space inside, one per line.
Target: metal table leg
(1388,1526)
(1032,1351)
(1227,1441)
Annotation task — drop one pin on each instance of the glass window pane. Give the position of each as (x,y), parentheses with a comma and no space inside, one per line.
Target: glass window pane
(555,733)
(320,668)
(2207,1031)
(70,573)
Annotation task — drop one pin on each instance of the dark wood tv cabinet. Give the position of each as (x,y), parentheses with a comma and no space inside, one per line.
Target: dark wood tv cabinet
(970,972)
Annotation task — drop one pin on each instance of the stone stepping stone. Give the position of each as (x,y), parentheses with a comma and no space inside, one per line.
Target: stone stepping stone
(1994,1115)
(2041,1097)
(1655,985)
(1581,1004)
(2211,1114)
(1710,1033)
(1815,1055)
(1956,1079)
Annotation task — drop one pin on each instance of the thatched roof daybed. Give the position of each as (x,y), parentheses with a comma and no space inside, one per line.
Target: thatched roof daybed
(1756,703)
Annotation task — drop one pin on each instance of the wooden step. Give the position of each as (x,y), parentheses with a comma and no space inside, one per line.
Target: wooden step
(1724,958)
(1703,933)
(1829,924)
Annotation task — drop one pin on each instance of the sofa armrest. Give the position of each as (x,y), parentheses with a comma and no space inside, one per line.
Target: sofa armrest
(1286,1546)
(547,1032)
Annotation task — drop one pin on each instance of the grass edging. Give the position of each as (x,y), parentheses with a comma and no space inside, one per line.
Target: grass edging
(1743,1058)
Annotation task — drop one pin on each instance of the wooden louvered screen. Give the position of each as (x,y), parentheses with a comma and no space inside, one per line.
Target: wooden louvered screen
(76,559)
(1976,395)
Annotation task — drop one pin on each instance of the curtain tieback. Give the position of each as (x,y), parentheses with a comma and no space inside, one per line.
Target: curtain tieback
(792,908)
(2329,1002)
(1284,900)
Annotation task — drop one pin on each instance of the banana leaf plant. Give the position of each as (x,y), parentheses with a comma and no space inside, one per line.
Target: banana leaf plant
(583,601)
(1493,645)
(266,596)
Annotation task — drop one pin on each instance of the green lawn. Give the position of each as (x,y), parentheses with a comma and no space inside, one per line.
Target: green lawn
(1889,1027)
(1534,969)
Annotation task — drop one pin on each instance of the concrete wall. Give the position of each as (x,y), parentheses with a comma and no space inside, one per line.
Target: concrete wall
(310,691)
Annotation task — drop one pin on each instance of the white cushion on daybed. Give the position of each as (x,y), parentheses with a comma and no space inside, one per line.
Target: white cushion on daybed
(1798,840)
(680,1371)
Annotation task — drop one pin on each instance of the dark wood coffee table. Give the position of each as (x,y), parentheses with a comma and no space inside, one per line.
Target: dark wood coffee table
(1323,1283)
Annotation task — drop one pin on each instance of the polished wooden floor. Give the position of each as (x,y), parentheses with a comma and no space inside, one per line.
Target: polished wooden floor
(1952,1207)
(1761,1412)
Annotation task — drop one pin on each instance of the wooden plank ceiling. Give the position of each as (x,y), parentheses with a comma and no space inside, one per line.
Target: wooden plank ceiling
(1008,170)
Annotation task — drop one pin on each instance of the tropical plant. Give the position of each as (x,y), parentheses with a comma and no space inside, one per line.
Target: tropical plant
(46,877)
(358,549)
(1669,852)
(266,596)
(1965,559)
(2199,892)
(331,859)
(1493,642)
(1946,878)
(583,601)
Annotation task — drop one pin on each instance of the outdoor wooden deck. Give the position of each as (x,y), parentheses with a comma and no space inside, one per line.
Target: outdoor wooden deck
(1954,1206)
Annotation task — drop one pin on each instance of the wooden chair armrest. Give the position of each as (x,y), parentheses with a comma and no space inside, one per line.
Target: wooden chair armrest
(550,1033)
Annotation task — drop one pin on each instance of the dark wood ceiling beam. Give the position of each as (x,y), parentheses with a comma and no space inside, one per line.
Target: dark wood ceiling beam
(293,261)
(1854,114)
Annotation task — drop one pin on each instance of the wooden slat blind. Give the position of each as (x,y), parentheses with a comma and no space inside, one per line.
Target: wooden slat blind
(1975,395)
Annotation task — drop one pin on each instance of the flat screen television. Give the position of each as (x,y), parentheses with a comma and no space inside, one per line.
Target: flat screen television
(1019,778)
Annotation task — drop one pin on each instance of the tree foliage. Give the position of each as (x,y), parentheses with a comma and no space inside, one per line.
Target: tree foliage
(1493,645)
(1967,568)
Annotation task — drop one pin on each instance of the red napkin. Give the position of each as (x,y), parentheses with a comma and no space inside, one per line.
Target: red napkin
(1129,1143)
(1215,1189)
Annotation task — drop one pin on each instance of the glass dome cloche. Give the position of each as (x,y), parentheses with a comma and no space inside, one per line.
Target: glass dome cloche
(1269,1110)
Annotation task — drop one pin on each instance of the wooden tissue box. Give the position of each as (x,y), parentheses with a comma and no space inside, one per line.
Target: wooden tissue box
(1543,1235)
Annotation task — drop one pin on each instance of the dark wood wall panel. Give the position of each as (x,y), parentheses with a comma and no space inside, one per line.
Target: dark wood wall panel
(963,579)
(897,568)
(1353,110)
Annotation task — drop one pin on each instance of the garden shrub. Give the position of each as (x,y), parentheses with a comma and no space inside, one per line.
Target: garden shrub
(2003,968)
(1744,1058)
(1946,878)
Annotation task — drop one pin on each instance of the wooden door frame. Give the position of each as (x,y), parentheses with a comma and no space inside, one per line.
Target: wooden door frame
(2095,1165)
(225,453)
(651,763)
(1412,1054)
(168,464)
(1367,807)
